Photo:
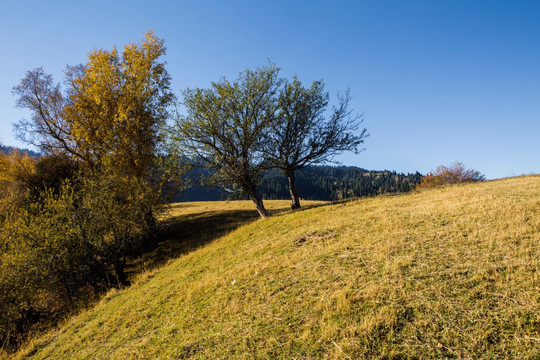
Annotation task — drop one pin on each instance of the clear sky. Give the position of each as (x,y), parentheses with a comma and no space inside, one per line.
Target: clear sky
(438,81)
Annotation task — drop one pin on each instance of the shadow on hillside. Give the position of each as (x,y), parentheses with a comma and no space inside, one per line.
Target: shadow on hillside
(184,233)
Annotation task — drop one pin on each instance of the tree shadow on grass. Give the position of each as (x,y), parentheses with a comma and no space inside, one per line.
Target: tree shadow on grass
(184,233)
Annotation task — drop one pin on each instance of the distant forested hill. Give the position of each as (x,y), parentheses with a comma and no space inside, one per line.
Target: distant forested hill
(316,183)
(8,149)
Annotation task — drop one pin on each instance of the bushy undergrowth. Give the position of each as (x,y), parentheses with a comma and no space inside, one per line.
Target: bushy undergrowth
(64,244)
(446,175)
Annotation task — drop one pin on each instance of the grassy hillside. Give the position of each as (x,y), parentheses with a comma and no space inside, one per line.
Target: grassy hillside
(445,273)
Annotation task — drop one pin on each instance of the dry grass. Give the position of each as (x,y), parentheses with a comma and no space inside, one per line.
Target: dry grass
(445,273)
(188,226)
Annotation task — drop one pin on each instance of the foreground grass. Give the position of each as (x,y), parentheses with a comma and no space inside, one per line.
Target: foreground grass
(445,273)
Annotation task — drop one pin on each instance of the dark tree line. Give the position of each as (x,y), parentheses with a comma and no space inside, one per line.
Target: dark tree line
(337,183)
(314,183)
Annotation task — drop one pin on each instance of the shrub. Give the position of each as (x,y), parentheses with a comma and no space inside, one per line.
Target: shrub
(15,171)
(453,174)
(68,245)
(51,172)
(41,263)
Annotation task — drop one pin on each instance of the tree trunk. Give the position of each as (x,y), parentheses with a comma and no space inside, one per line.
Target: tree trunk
(260,207)
(257,200)
(295,201)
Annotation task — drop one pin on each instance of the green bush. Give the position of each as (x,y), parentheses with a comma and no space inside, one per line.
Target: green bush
(70,244)
(41,262)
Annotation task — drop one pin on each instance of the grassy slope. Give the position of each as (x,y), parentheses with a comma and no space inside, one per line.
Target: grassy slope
(450,272)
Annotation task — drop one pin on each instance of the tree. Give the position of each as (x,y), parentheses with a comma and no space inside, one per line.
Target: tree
(302,136)
(225,124)
(69,221)
(108,120)
(110,113)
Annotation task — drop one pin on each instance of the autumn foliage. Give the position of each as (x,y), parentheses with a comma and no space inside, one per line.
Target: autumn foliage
(70,220)
(16,169)
(454,174)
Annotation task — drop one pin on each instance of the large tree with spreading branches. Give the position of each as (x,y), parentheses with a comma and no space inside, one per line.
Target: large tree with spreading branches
(107,119)
(304,132)
(225,125)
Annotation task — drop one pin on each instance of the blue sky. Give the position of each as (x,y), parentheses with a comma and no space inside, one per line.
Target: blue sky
(438,81)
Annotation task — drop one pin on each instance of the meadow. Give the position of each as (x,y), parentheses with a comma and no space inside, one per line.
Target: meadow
(450,272)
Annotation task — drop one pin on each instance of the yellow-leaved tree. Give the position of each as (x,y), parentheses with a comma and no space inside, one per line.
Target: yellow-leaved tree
(93,200)
(110,112)
(107,119)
